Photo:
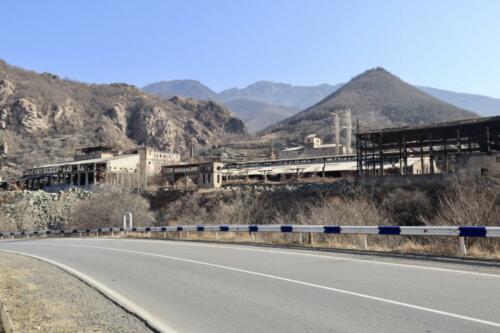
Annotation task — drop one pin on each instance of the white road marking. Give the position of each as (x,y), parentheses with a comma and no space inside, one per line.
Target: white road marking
(303,283)
(296,253)
(154,322)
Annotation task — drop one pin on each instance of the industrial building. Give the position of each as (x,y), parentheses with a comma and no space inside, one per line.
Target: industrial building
(93,165)
(468,147)
(314,147)
(193,175)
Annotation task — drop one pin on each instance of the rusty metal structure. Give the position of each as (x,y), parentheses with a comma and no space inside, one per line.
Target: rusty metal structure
(442,146)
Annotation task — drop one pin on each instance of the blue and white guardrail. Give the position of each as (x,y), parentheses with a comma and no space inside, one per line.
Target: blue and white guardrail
(458,231)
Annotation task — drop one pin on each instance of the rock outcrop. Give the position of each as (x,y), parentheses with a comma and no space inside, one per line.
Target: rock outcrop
(44,118)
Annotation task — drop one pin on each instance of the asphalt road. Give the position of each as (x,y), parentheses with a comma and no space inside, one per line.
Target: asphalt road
(200,287)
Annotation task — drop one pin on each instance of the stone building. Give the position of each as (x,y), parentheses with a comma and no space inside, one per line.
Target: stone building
(193,176)
(137,167)
(312,147)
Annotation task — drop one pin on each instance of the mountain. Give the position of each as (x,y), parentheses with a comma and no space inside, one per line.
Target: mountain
(186,88)
(280,93)
(258,115)
(44,118)
(259,105)
(483,105)
(376,99)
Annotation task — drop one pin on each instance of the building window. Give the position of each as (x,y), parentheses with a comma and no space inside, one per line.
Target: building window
(218,179)
(208,178)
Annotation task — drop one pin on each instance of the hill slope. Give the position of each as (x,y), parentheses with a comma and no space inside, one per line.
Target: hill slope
(483,105)
(186,88)
(44,118)
(258,115)
(259,105)
(377,99)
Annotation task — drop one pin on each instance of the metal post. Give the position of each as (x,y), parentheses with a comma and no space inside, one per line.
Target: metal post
(445,150)
(405,157)
(488,140)
(431,156)
(365,242)
(381,155)
(422,155)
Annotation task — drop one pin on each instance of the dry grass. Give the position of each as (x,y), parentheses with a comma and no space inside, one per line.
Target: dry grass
(28,312)
(446,246)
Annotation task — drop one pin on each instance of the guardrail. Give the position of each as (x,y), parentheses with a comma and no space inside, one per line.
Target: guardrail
(450,231)
(458,231)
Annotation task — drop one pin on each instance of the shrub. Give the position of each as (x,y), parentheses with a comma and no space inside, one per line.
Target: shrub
(407,208)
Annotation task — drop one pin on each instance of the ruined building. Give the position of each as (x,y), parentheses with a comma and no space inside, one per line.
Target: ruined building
(313,146)
(137,167)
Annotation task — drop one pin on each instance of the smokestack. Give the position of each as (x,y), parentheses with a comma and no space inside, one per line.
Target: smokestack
(336,123)
(191,152)
(348,125)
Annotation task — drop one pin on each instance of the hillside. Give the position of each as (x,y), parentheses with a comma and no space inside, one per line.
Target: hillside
(258,115)
(259,105)
(376,99)
(186,88)
(483,105)
(44,118)
(280,93)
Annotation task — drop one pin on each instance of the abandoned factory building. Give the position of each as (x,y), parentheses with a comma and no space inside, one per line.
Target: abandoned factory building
(134,168)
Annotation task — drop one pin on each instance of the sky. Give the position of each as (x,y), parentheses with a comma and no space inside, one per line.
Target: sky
(448,44)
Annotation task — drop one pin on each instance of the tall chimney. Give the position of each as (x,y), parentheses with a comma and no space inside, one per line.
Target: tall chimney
(191,152)
(348,125)
(336,123)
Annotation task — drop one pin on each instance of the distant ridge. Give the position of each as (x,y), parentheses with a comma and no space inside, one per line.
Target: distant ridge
(185,88)
(376,98)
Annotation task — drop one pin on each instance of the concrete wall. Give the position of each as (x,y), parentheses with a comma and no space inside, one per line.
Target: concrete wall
(479,165)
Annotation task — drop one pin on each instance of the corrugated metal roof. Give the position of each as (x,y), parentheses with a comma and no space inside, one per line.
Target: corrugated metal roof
(89,161)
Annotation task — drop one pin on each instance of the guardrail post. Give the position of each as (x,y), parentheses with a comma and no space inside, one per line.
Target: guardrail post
(365,242)
(311,238)
(164,234)
(252,234)
(462,247)
(216,235)
(301,242)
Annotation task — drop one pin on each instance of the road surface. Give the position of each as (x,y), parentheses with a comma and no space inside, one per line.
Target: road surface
(201,287)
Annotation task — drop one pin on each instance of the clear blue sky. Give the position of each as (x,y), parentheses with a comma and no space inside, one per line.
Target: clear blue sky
(451,44)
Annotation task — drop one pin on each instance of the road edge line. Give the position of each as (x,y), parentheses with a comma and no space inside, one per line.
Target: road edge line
(130,307)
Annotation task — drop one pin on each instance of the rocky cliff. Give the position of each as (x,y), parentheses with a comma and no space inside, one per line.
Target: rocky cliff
(44,118)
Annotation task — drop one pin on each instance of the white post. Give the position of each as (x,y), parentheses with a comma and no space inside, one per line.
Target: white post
(130,219)
(216,236)
(365,242)
(311,238)
(463,248)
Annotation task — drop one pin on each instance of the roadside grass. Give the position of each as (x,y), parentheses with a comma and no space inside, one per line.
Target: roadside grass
(30,313)
(425,245)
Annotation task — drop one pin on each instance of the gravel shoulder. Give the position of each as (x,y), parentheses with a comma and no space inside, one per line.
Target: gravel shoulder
(43,298)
